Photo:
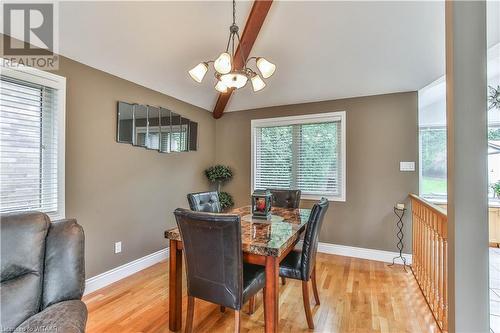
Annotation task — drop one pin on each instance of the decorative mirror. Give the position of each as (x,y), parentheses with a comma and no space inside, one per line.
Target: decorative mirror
(124,131)
(155,128)
(193,136)
(175,134)
(165,130)
(140,125)
(184,134)
(153,131)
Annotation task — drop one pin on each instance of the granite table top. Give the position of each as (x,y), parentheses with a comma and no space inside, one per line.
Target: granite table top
(265,237)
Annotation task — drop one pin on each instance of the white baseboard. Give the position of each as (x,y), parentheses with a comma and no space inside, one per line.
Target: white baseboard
(102,280)
(363,253)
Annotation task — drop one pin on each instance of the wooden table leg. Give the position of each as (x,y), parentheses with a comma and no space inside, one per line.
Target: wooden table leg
(175,288)
(271,295)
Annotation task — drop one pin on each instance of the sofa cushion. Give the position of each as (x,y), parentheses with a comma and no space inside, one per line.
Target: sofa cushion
(21,266)
(64,274)
(67,317)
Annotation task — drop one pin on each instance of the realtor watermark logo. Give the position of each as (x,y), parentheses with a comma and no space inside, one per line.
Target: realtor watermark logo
(30,35)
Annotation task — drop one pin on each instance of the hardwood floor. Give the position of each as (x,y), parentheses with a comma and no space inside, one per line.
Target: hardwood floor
(356,296)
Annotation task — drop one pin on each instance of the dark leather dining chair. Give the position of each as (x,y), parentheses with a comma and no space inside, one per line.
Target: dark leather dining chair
(204,202)
(299,264)
(285,198)
(215,271)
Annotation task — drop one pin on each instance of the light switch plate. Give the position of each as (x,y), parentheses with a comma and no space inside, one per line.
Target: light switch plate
(118,247)
(406,166)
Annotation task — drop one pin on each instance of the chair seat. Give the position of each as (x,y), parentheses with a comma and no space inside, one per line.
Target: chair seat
(290,266)
(254,279)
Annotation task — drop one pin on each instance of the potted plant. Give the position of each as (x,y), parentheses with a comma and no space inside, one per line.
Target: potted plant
(494,98)
(220,174)
(496,189)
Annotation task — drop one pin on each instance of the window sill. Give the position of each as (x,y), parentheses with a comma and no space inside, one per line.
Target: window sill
(318,197)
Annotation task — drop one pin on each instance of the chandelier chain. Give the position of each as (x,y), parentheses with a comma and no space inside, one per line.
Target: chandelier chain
(234,12)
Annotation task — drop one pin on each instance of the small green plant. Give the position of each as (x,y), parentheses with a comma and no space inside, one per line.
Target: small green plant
(226,200)
(494,98)
(496,188)
(218,174)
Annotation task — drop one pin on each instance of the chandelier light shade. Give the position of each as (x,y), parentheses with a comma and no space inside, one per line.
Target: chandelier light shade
(230,76)
(223,63)
(265,67)
(220,87)
(257,83)
(198,72)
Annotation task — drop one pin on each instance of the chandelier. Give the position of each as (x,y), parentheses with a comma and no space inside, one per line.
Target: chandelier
(227,76)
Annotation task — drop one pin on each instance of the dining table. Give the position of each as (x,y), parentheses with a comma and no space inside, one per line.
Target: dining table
(265,242)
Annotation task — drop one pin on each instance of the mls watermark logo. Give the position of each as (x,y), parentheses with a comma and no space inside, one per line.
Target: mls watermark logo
(30,35)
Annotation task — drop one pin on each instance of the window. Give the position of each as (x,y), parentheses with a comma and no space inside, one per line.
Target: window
(32,107)
(432,140)
(300,152)
(432,136)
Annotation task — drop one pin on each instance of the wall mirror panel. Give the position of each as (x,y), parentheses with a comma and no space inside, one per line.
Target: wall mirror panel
(175,134)
(184,134)
(140,125)
(125,132)
(155,128)
(193,135)
(153,131)
(165,130)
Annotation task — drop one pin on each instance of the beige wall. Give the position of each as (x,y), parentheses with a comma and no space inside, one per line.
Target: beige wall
(116,191)
(381,132)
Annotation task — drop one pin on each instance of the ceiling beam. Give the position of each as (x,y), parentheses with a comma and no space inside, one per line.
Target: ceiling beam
(254,22)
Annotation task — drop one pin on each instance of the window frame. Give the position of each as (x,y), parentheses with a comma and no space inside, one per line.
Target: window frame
(297,120)
(57,82)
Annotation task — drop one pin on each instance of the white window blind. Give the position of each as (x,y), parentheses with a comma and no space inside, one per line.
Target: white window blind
(29,165)
(306,153)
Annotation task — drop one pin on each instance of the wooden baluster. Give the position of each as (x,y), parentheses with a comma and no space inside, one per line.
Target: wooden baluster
(434,261)
(431,262)
(445,289)
(426,249)
(413,237)
(440,272)
(421,249)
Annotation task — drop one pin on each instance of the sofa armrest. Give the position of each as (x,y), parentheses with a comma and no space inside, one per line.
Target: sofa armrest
(63,317)
(64,273)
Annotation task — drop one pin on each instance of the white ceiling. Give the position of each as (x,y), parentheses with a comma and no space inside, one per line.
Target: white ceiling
(323,50)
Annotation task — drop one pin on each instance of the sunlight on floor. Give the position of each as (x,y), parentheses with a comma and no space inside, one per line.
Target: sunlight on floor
(495,290)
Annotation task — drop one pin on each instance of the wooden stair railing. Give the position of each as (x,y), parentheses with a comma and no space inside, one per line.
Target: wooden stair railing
(430,259)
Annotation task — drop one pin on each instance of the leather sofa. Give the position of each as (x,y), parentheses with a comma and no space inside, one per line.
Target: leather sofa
(42,274)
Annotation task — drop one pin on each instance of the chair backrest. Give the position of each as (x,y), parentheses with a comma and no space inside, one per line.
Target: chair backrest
(310,245)
(204,202)
(213,256)
(42,263)
(285,198)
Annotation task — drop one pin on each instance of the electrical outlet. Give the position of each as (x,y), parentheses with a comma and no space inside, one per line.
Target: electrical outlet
(406,166)
(118,247)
